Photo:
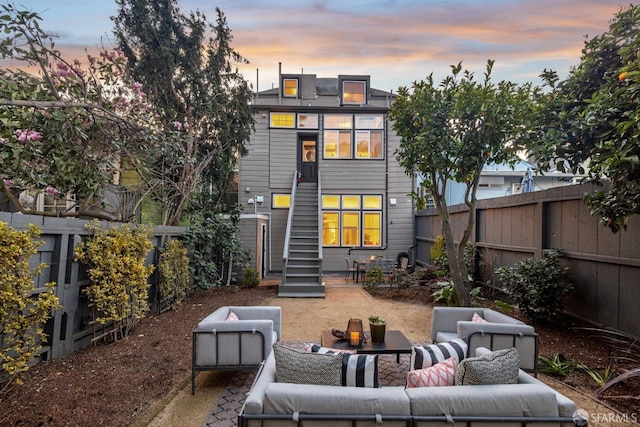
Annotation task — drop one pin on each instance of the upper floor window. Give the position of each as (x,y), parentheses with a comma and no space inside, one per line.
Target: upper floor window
(308,121)
(290,88)
(354,92)
(343,141)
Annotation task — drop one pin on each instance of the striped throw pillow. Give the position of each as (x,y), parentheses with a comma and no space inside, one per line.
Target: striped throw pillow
(358,370)
(429,355)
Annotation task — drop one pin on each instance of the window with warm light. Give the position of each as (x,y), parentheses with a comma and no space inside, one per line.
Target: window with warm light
(282,120)
(342,141)
(372,225)
(352,220)
(351,228)
(330,229)
(290,88)
(281,201)
(337,144)
(354,92)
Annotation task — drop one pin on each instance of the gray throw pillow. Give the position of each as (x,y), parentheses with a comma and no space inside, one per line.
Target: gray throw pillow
(497,367)
(297,367)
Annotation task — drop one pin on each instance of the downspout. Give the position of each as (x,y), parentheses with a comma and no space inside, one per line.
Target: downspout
(279,83)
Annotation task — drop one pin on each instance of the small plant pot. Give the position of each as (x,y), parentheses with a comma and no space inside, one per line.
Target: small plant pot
(377,332)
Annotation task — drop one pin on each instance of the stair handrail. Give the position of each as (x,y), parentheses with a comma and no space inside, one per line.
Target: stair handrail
(320,224)
(287,234)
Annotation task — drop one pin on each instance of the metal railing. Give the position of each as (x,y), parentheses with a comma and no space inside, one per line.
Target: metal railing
(287,234)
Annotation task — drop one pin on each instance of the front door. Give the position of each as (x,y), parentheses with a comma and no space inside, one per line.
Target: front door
(307,157)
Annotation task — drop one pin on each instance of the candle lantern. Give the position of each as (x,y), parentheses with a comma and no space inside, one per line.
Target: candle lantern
(355,332)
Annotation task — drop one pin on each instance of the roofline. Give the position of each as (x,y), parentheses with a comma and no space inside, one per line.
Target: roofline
(322,108)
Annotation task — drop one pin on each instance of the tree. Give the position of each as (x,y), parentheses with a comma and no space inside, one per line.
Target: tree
(195,90)
(448,132)
(593,118)
(65,129)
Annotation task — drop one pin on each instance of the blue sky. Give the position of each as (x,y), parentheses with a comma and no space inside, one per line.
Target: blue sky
(394,41)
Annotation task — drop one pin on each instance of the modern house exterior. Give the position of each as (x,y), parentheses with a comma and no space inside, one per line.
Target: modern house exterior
(320,182)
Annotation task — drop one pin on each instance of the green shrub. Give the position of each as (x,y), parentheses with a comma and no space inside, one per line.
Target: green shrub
(251,278)
(373,277)
(536,285)
(212,243)
(116,259)
(555,365)
(22,312)
(174,273)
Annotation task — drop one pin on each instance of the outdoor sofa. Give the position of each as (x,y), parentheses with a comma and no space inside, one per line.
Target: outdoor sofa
(527,402)
(497,331)
(234,338)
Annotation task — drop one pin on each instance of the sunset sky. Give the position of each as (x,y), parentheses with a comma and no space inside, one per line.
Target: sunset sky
(394,41)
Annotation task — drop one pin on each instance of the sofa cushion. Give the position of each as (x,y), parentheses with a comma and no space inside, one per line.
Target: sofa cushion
(293,366)
(496,367)
(440,374)
(358,370)
(429,355)
(488,400)
(289,398)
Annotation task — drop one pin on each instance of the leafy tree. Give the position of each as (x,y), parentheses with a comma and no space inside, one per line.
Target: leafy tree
(196,90)
(448,132)
(593,118)
(65,129)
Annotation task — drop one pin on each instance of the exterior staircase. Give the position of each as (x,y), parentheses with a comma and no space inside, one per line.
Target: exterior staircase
(302,269)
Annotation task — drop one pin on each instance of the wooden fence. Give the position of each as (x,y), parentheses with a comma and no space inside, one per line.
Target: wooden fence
(69,328)
(604,267)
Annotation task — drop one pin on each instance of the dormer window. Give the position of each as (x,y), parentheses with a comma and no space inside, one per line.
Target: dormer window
(290,88)
(354,92)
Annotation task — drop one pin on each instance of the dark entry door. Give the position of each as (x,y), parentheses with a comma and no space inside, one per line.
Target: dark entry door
(308,157)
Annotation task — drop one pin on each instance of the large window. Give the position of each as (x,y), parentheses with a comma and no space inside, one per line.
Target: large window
(351,220)
(354,92)
(357,136)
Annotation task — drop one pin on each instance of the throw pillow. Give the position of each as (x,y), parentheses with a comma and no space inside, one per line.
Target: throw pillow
(429,355)
(232,316)
(357,370)
(477,318)
(497,367)
(297,367)
(440,374)
(315,348)
(360,370)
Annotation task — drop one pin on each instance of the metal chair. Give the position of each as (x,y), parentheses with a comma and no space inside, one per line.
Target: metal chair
(351,270)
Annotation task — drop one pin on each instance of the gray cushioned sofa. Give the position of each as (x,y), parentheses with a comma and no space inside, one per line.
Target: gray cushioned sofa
(240,344)
(270,403)
(499,332)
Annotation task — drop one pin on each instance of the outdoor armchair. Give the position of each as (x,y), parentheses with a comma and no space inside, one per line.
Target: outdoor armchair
(498,332)
(222,342)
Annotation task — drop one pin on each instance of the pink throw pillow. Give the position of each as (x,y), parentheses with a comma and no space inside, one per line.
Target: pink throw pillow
(477,318)
(232,316)
(438,375)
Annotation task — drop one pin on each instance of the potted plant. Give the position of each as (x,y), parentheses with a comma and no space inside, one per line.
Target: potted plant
(377,327)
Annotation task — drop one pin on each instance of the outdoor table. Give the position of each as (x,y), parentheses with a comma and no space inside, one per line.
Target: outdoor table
(394,343)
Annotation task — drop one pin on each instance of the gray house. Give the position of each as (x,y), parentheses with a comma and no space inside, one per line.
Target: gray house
(320,182)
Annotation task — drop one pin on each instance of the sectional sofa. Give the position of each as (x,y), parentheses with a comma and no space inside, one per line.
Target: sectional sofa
(528,402)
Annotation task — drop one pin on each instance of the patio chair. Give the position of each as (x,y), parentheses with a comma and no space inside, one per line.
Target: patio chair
(350,271)
(234,338)
(498,331)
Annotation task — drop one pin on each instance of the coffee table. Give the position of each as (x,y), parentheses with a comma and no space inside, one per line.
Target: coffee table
(394,343)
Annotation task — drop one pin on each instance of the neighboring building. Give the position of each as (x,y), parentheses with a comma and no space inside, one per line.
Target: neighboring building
(503,180)
(353,200)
